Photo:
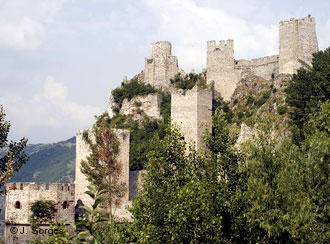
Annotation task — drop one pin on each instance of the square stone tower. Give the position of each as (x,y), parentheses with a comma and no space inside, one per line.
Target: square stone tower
(161,66)
(297,43)
(82,151)
(220,67)
(192,112)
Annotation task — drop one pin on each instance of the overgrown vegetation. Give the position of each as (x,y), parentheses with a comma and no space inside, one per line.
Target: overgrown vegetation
(43,212)
(189,81)
(129,90)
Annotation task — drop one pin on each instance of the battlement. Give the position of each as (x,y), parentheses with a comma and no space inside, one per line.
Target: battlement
(307,20)
(212,45)
(20,196)
(33,186)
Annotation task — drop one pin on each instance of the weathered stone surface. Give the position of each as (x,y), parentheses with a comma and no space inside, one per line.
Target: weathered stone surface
(82,151)
(246,134)
(161,66)
(149,105)
(192,112)
(298,41)
(21,194)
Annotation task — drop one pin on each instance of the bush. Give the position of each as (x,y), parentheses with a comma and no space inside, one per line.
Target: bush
(282,110)
(189,81)
(130,90)
(263,99)
(250,100)
(240,115)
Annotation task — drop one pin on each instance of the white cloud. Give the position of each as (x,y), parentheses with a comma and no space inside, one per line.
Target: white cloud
(49,108)
(22,22)
(189,26)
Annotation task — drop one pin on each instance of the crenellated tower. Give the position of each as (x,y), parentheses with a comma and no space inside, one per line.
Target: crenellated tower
(161,66)
(297,43)
(220,67)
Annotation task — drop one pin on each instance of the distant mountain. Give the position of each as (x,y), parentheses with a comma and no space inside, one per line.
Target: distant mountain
(53,162)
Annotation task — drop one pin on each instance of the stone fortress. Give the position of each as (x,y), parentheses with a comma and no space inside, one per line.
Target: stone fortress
(190,111)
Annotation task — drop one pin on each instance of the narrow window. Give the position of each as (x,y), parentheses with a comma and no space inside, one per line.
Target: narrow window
(65,205)
(18,205)
(21,186)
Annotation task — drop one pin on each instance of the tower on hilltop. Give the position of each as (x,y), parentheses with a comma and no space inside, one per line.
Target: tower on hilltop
(297,43)
(161,66)
(220,67)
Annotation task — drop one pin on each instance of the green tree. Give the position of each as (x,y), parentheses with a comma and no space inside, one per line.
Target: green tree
(287,193)
(43,211)
(307,88)
(12,155)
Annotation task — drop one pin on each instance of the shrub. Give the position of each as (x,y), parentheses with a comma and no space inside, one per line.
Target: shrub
(250,100)
(130,90)
(263,99)
(282,110)
(240,115)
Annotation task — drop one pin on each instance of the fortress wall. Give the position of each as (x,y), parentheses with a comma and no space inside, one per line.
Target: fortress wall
(220,67)
(150,105)
(26,193)
(263,67)
(161,66)
(297,41)
(192,113)
(82,151)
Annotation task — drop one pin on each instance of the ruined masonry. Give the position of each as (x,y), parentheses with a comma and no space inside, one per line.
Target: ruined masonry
(161,66)
(297,43)
(190,111)
(20,195)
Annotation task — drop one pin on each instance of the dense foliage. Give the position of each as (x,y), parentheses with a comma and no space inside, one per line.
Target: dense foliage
(43,211)
(307,88)
(129,90)
(12,155)
(188,81)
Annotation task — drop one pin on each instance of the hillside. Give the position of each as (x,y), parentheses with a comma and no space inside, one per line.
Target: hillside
(53,162)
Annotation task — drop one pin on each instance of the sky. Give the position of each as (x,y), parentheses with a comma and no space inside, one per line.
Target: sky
(59,59)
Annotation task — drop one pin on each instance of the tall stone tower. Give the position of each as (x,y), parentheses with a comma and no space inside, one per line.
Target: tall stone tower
(297,43)
(192,112)
(220,67)
(82,151)
(161,66)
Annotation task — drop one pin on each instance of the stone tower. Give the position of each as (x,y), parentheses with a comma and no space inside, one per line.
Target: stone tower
(161,66)
(82,151)
(192,112)
(221,67)
(297,43)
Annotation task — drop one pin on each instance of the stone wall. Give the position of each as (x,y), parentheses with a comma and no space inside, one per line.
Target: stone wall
(192,112)
(82,151)
(149,105)
(220,67)
(21,194)
(297,41)
(264,67)
(161,66)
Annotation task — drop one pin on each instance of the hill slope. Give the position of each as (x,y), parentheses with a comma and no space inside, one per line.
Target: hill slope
(52,162)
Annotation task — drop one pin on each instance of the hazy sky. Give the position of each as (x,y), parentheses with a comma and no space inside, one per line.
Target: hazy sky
(60,58)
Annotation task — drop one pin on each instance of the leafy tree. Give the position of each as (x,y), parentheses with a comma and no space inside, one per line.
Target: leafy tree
(12,155)
(43,211)
(287,193)
(307,88)
(188,81)
(102,168)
